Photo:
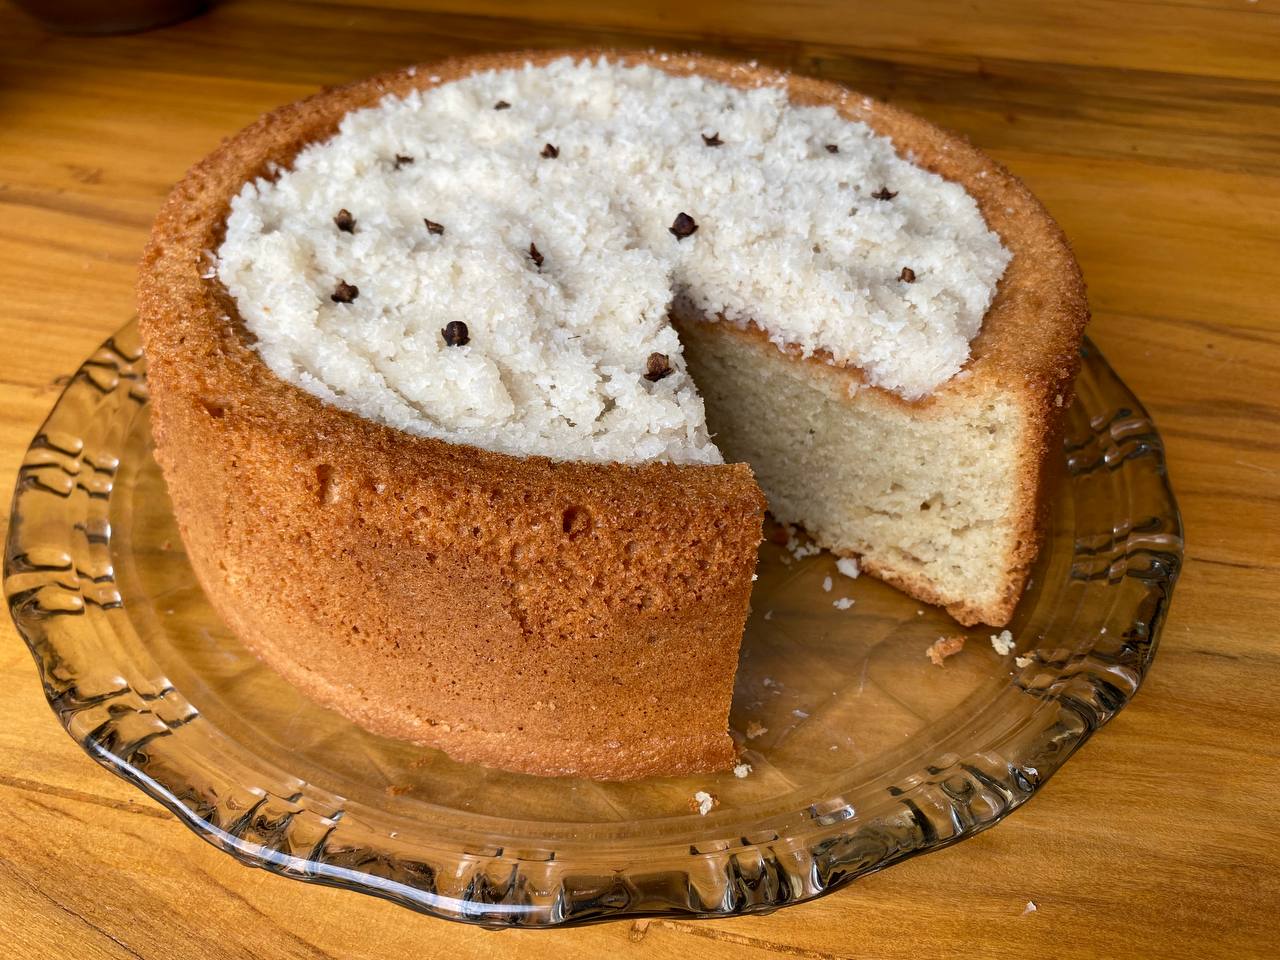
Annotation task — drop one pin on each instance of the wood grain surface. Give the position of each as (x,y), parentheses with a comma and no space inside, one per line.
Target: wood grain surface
(1150,128)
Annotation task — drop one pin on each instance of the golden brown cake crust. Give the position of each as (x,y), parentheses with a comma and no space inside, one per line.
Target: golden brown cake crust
(463,598)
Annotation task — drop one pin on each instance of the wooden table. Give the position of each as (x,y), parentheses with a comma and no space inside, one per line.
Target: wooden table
(1150,129)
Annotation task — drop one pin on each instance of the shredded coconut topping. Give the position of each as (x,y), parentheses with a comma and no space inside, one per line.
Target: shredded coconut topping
(560,227)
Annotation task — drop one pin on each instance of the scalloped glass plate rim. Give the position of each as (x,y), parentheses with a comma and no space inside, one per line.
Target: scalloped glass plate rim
(780,830)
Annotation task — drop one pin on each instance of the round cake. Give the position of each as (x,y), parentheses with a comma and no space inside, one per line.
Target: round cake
(470,382)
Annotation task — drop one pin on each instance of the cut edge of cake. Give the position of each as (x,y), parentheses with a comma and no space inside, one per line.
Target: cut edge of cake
(943,500)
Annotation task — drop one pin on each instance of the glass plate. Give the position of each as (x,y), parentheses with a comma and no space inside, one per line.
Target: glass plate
(862,751)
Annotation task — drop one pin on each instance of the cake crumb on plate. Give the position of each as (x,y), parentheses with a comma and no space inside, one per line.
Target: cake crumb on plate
(1002,643)
(844,603)
(944,647)
(755,729)
(703,803)
(741,770)
(849,567)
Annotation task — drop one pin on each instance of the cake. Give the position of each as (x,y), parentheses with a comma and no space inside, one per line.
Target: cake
(470,382)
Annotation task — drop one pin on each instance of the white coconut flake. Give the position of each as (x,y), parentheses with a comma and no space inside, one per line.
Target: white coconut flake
(798,547)
(790,236)
(1002,643)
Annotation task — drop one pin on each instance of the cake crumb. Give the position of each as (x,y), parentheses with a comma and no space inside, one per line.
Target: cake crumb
(798,548)
(844,603)
(397,789)
(755,729)
(1002,642)
(849,567)
(741,770)
(827,583)
(944,647)
(1029,908)
(768,614)
(703,803)
(1022,661)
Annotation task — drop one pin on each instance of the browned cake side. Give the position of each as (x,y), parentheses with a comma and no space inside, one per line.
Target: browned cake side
(548,618)
(552,619)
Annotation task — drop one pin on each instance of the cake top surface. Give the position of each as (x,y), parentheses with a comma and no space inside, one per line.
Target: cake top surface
(491,260)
